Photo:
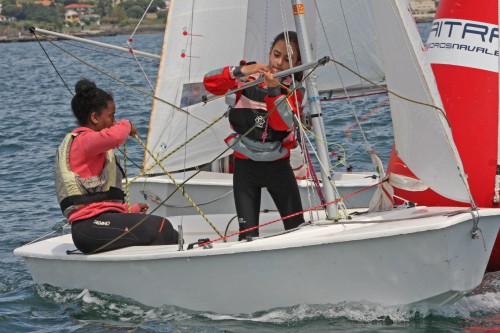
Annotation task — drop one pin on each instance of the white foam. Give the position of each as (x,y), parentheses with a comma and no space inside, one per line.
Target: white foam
(465,308)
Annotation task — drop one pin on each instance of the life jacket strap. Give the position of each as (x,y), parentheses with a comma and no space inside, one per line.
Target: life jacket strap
(114,194)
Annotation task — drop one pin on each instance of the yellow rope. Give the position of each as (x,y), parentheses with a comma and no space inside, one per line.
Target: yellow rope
(328,143)
(158,162)
(178,186)
(127,192)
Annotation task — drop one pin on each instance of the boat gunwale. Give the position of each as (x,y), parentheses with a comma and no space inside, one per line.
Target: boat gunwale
(350,232)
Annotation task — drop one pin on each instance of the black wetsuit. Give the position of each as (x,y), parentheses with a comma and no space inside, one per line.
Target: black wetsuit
(262,115)
(277,176)
(91,234)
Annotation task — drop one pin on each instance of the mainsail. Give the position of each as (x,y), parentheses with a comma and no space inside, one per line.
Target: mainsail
(204,35)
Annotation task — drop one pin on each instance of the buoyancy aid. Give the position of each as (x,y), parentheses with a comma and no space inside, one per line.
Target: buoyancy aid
(74,192)
(263,142)
(257,150)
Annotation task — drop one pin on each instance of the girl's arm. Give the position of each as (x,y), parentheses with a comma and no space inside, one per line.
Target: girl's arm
(109,138)
(219,81)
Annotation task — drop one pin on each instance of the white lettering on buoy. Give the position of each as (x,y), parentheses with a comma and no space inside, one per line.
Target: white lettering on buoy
(463,43)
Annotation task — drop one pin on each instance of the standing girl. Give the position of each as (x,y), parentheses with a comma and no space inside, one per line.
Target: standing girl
(263,119)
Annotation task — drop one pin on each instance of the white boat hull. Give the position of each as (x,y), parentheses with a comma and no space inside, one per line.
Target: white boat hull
(213,192)
(430,259)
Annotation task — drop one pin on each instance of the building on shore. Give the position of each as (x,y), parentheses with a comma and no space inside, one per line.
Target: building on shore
(71,16)
(423,10)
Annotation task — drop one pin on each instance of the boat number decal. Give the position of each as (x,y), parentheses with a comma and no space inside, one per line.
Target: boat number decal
(298,9)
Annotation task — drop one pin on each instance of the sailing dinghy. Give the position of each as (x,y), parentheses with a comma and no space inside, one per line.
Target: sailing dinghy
(402,256)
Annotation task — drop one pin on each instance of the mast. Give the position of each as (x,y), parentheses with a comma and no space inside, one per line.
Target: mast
(315,108)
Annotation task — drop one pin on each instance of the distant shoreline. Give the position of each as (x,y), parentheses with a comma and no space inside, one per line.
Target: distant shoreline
(14,37)
(27,37)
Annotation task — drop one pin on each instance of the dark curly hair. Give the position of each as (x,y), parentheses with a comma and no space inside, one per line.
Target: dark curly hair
(88,99)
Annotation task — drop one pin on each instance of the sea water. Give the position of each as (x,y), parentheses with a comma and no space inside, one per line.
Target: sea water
(35,115)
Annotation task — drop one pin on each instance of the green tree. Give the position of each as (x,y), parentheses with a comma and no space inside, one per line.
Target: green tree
(157,4)
(6,3)
(162,15)
(119,13)
(12,11)
(135,12)
(143,4)
(104,7)
(40,13)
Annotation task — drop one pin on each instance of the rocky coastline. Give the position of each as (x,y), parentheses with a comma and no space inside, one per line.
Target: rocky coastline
(10,35)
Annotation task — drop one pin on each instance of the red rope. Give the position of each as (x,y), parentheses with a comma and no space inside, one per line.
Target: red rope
(292,215)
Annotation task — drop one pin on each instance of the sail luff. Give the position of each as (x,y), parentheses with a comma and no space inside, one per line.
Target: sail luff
(159,78)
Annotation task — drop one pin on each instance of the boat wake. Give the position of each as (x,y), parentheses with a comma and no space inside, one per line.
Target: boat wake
(111,310)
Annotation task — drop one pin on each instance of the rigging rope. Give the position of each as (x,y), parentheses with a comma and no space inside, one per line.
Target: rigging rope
(295,214)
(198,209)
(129,44)
(127,192)
(330,180)
(51,62)
(364,117)
(140,21)
(389,91)
(124,83)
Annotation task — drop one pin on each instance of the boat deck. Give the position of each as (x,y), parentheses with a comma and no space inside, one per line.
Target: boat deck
(319,232)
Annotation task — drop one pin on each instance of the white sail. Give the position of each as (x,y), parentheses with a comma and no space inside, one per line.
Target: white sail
(245,30)
(421,132)
(200,36)
(345,32)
